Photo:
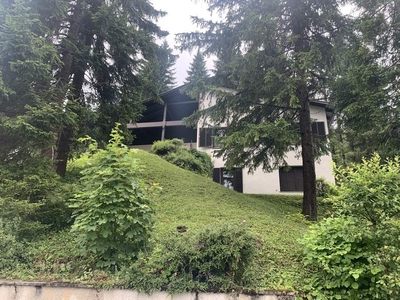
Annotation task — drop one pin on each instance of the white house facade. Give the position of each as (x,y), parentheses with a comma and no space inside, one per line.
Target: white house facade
(164,121)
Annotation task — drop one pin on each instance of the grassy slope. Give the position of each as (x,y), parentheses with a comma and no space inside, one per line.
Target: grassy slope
(193,201)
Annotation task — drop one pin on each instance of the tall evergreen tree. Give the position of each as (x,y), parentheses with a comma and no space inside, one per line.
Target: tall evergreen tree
(106,46)
(195,84)
(365,90)
(158,74)
(98,49)
(275,54)
(27,90)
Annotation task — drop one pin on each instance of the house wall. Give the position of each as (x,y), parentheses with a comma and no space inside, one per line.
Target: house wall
(261,182)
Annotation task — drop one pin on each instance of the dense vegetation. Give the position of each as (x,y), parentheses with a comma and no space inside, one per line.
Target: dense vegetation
(71,68)
(252,238)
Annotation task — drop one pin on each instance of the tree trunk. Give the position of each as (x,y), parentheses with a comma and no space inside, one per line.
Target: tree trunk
(63,79)
(299,25)
(76,64)
(307,154)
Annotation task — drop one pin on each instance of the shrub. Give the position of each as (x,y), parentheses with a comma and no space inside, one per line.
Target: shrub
(323,188)
(162,148)
(356,253)
(112,209)
(34,195)
(214,259)
(175,152)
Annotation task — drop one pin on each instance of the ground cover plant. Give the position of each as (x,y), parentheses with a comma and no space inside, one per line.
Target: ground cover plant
(185,209)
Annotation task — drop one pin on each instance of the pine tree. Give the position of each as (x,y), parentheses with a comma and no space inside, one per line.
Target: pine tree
(365,89)
(166,61)
(27,91)
(107,44)
(82,59)
(275,54)
(158,74)
(195,84)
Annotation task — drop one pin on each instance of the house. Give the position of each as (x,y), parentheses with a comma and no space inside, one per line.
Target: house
(162,121)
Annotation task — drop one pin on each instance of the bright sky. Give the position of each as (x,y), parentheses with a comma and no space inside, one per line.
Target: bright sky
(177,21)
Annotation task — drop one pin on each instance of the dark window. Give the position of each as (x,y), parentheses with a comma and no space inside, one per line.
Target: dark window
(181,110)
(146,136)
(231,179)
(318,128)
(188,134)
(291,180)
(209,137)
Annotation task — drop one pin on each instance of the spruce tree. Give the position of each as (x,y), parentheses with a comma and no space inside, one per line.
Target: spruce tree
(275,54)
(195,84)
(27,91)
(81,59)
(365,88)
(158,74)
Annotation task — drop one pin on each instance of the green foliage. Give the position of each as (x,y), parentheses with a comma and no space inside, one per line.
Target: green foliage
(175,152)
(12,250)
(35,197)
(196,83)
(275,63)
(57,256)
(157,76)
(113,216)
(324,188)
(213,259)
(187,199)
(27,116)
(355,253)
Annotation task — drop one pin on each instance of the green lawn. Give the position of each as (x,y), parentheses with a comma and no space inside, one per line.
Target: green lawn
(195,202)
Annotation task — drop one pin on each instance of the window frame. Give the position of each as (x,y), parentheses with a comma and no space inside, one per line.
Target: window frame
(291,180)
(318,128)
(207,137)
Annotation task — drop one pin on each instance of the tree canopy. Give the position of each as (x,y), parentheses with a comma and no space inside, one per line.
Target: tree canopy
(365,85)
(73,67)
(275,55)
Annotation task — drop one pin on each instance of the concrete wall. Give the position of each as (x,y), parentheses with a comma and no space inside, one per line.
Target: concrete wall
(58,291)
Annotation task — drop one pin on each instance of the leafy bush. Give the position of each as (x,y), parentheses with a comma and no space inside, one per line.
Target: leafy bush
(356,253)
(162,148)
(35,196)
(323,188)
(175,152)
(112,209)
(214,259)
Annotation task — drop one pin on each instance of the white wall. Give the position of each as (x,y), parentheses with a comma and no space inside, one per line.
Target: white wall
(268,183)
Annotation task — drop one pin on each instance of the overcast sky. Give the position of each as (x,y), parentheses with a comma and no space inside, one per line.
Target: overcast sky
(177,21)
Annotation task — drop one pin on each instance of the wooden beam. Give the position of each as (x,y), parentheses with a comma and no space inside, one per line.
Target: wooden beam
(154,124)
(164,121)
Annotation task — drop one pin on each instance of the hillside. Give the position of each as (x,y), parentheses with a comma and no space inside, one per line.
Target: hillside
(193,201)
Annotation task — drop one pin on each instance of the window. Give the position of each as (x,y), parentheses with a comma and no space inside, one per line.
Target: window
(291,180)
(231,179)
(318,128)
(208,137)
